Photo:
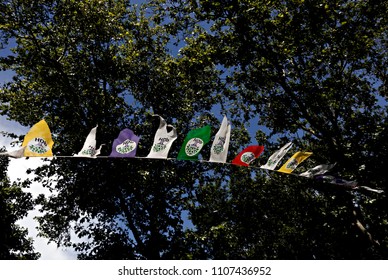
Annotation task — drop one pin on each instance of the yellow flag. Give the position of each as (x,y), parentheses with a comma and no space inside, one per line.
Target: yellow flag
(38,141)
(294,161)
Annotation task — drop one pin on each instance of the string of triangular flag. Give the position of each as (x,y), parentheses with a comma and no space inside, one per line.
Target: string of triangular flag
(38,143)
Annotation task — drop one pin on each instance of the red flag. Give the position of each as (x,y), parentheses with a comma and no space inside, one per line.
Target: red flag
(247,155)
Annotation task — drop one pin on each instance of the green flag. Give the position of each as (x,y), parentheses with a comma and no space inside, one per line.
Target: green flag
(194,142)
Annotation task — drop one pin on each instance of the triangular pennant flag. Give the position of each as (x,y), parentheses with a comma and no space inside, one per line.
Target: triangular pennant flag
(342,182)
(249,154)
(14,154)
(125,145)
(317,170)
(276,157)
(89,147)
(38,141)
(219,149)
(194,142)
(336,181)
(162,140)
(294,161)
(370,189)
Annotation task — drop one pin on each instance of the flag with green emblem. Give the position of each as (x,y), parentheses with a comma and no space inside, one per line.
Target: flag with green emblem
(194,142)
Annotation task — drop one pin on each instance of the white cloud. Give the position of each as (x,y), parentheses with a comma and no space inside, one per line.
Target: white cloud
(17,170)
(48,251)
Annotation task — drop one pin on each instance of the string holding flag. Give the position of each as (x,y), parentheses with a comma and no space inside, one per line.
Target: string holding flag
(38,143)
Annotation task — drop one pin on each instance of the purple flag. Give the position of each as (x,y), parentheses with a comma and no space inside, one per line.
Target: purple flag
(125,145)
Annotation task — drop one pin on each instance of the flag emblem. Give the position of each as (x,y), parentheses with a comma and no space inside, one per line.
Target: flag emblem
(193,146)
(126,147)
(218,148)
(38,145)
(89,151)
(292,164)
(161,145)
(248,157)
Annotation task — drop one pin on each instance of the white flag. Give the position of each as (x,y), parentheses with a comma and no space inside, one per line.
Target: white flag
(219,149)
(162,140)
(370,189)
(317,170)
(276,157)
(89,148)
(342,182)
(14,154)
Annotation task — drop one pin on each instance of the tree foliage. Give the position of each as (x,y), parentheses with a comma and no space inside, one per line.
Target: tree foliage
(313,72)
(14,205)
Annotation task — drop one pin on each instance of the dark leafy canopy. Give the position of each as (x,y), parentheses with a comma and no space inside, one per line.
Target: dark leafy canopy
(14,205)
(79,64)
(314,72)
(317,68)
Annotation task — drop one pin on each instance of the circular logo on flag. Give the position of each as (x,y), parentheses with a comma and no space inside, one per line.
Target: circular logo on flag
(90,151)
(161,145)
(38,146)
(126,147)
(193,146)
(270,162)
(158,147)
(292,164)
(218,149)
(247,157)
